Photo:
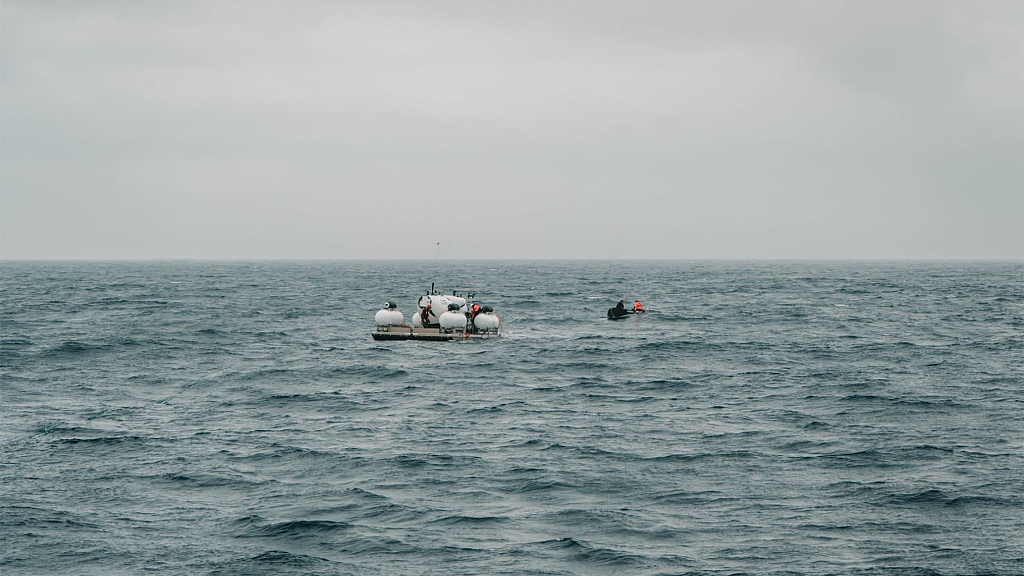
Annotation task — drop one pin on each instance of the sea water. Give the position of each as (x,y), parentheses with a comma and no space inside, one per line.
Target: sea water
(763,417)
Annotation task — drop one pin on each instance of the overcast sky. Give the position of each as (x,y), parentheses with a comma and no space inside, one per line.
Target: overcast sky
(306,129)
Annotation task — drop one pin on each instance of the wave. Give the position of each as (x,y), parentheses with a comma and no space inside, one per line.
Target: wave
(264,373)
(333,401)
(686,496)
(298,528)
(466,520)
(124,302)
(860,458)
(280,557)
(660,383)
(377,371)
(280,452)
(77,349)
(936,497)
(734,454)
(676,345)
(339,536)
(591,553)
(275,561)
(103,440)
(35,516)
(366,494)
(541,485)
(621,399)
(587,451)
(413,460)
(807,445)
(391,512)
(934,402)
(73,349)
(56,427)
(591,382)
(206,480)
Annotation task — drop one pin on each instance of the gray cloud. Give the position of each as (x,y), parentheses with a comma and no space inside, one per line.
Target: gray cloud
(659,129)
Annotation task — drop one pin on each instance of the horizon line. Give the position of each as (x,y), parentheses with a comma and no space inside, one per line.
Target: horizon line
(727,259)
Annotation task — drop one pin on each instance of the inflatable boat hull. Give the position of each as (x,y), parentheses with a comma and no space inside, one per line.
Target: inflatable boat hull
(619,313)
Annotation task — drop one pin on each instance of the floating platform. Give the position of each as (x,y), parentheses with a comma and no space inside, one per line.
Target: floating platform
(428,334)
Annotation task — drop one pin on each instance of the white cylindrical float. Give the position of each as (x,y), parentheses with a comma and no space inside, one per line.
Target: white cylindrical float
(487,321)
(450,320)
(389,317)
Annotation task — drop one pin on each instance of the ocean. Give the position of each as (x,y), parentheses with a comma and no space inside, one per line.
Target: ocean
(231,418)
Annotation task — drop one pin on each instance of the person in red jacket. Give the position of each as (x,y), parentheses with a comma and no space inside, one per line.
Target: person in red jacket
(637,306)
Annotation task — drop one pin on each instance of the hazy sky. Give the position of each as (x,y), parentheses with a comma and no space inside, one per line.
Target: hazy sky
(306,129)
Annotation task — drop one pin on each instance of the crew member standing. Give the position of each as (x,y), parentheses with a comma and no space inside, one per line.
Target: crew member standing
(472,316)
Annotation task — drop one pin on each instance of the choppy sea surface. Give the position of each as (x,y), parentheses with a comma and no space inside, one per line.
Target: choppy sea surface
(230,418)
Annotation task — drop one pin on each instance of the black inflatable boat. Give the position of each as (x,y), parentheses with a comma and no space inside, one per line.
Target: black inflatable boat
(620,313)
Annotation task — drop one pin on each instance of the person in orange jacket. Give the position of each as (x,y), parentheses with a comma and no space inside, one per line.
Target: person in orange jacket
(472,316)
(637,306)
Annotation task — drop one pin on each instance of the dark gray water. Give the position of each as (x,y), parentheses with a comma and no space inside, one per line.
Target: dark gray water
(236,418)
